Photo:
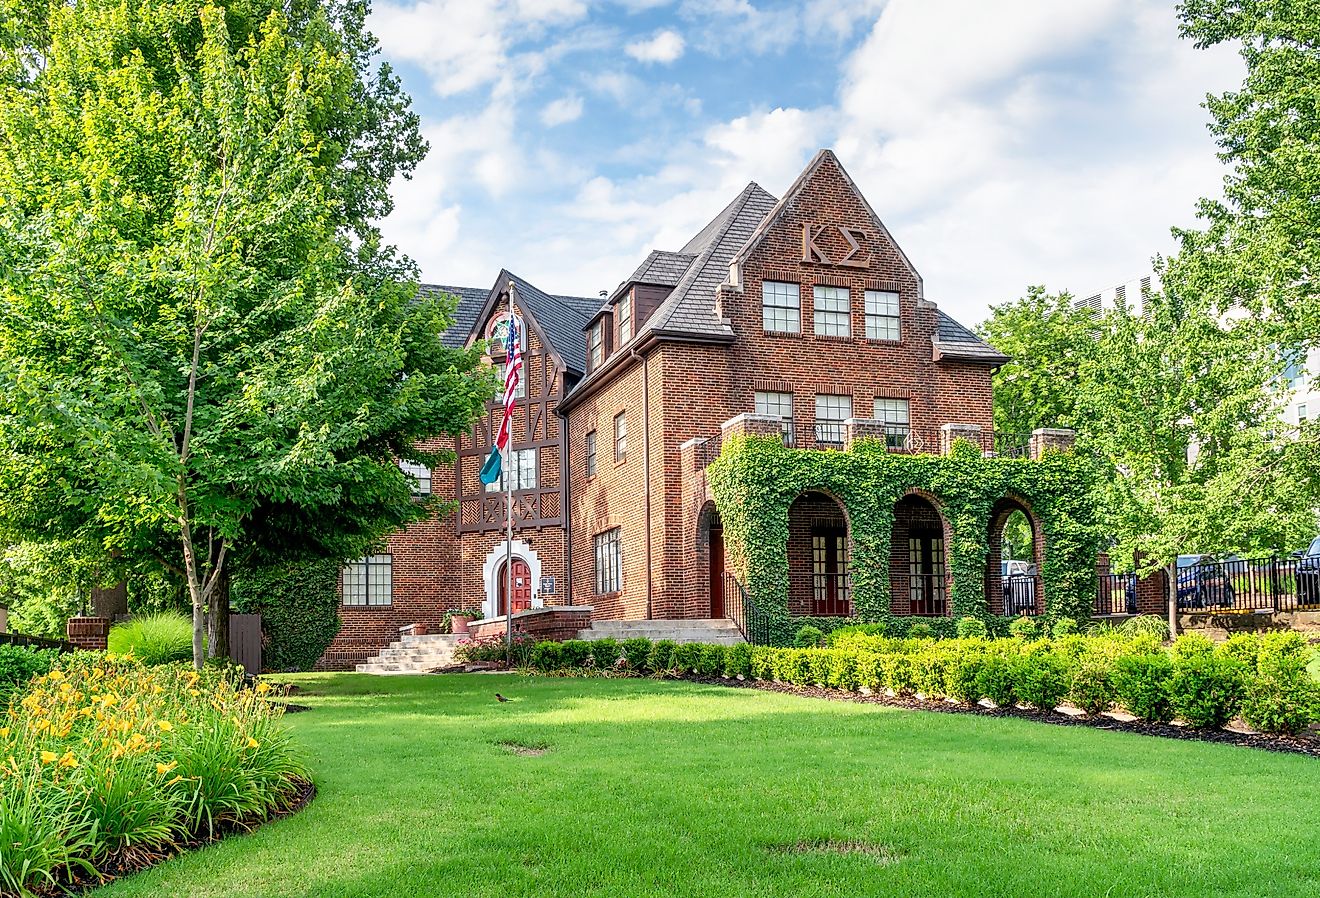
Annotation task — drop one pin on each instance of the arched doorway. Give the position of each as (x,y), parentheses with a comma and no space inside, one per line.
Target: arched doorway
(522,587)
(1013,560)
(716,547)
(918,560)
(819,578)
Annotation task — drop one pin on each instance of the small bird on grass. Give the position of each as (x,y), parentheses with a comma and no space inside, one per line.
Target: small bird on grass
(500,697)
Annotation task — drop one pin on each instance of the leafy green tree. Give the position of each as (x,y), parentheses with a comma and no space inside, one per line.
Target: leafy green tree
(1048,340)
(205,350)
(1260,248)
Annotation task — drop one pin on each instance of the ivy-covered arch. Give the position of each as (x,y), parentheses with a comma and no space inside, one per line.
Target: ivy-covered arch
(756,478)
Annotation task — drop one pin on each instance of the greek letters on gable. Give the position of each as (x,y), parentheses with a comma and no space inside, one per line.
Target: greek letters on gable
(854,237)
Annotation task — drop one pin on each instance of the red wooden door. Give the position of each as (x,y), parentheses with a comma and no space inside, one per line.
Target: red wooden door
(522,587)
(716,570)
(829,568)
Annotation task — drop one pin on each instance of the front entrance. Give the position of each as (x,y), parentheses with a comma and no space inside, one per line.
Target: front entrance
(522,587)
(926,574)
(716,567)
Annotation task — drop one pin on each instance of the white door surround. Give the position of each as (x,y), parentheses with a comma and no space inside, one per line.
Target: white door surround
(493,567)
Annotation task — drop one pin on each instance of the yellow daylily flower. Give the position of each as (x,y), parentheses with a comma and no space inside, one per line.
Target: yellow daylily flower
(4,732)
(163,769)
(263,688)
(55,676)
(48,757)
(164,725)
(68,760)
(253,743)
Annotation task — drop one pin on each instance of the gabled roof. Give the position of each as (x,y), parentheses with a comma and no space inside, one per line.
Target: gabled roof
(558,318)
(799,186)
(663,268)
(690,308)
(953,341)
(470,301)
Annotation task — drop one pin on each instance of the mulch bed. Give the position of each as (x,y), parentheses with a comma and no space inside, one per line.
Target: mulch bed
(136,860)
(1304,744)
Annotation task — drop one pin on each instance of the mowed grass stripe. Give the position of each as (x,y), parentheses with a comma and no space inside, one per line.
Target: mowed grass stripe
(662,788)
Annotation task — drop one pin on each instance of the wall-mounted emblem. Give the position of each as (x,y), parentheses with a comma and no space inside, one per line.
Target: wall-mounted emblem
(855,238)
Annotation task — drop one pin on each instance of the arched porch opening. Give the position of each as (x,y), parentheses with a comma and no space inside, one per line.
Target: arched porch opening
(918,559)
(711,562)
(1015,552)
(819,577)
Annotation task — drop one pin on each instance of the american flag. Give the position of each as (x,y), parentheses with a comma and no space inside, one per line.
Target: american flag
(512,374)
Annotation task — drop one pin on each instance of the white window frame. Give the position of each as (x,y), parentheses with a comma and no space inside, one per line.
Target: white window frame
(781,307)
(368,582)
(589,445)
(522,466)
(596,345)
(832,409)
(896,414)
(832,311)
(621,436)
(625,319)
(419,475)
(777,405)
(883,320)
(501,371)
(609,561)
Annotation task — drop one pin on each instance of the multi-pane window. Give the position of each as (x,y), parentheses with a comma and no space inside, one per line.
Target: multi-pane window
(1301,413)
(894,414)
(831,412)
(781,307)
(609,562)
(520,471)
(882,315)
(419,476)
(777,405)
(591,453)
(520,391)
(369,581)
(625,319)
(620,436)
(833,312)
(596,345)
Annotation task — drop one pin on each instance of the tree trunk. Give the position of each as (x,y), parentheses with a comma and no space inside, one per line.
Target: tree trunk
(217,617)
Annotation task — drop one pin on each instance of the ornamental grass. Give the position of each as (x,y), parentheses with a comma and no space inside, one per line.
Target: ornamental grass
(106,763)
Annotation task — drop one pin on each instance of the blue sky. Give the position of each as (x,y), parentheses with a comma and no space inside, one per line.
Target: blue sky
(1003,143)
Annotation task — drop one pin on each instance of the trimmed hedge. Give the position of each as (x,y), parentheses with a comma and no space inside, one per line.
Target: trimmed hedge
(1263,676)
(19,664)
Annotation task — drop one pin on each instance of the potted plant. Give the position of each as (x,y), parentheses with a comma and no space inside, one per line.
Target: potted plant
(457,620)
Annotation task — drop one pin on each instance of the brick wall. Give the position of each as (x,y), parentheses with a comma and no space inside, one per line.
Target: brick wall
(544,623)
(88,632)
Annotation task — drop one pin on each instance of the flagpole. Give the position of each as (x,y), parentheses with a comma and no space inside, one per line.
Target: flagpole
(508,511)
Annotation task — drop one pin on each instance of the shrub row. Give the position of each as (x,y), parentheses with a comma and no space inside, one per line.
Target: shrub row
(106,759)
(1261,677)
(19,664)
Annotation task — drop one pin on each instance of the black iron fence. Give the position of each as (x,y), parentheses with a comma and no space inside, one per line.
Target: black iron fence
(1008,445)
(1231,586)
(1021,595)
(738,605)
(1116,594)
(35,642)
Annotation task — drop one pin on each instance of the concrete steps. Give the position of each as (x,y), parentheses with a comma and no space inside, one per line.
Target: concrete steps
(715,631)
(413,655)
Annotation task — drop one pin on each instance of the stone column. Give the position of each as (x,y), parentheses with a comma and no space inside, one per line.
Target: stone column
(951,432)
(855,429)
(1059,439)
(88,632)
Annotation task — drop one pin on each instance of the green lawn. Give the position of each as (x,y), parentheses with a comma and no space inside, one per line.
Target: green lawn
(662,788)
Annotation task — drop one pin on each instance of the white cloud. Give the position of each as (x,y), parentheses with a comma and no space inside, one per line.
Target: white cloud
(562,111)
(1004,144)
(665,47)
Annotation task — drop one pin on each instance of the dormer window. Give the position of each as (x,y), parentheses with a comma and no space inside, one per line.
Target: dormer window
(596,345)
(625,319)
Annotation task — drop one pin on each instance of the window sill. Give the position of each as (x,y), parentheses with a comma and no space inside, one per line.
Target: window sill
(884,341)
(833,338)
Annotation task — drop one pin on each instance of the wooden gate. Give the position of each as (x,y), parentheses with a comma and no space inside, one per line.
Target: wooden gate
(245,641)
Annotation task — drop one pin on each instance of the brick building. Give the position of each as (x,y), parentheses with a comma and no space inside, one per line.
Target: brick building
(800,313)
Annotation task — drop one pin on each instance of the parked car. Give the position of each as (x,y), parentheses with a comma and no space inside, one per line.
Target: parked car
(1308,575)
(1019,583)
(1202,582)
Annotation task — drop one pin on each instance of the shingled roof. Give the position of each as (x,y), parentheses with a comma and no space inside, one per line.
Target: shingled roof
(953,341)
(470,301)
(561,319)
